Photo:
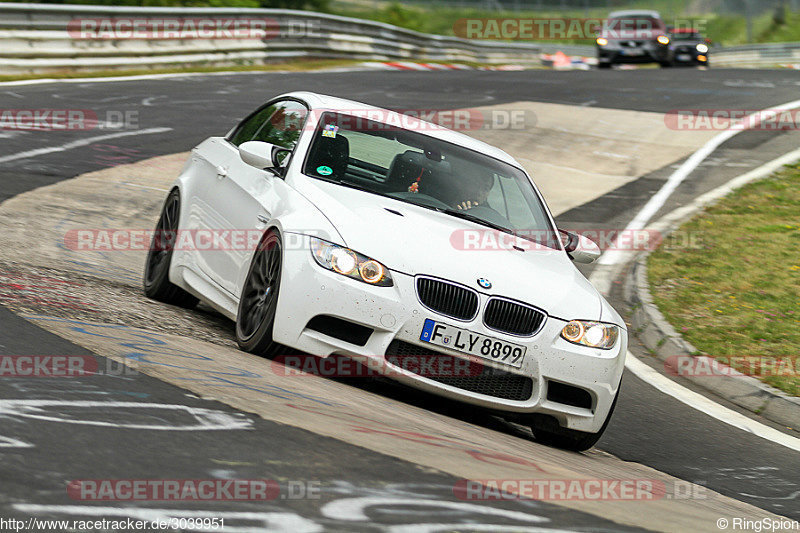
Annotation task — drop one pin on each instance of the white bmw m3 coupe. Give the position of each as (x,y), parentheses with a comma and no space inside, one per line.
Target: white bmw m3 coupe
(384,238)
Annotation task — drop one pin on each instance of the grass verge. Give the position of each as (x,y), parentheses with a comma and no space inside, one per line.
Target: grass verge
(734,290)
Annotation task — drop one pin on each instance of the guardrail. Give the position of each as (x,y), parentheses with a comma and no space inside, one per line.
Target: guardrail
(34,38)
(757,55)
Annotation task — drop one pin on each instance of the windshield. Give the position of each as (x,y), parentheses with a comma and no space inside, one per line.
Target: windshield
(625,24)
(685,36)
(411,167)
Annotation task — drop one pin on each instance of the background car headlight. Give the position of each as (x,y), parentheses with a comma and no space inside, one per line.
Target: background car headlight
(702,48)
(601,41)
(662,39)
(592,334)
(349,263)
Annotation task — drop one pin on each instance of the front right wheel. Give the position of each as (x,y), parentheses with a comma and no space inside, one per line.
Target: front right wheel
(259,300)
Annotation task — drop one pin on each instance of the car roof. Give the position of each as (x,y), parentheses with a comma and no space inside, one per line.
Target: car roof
(322,102)
(634,13)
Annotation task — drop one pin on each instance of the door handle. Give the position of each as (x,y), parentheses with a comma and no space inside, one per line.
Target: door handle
(222,172)
(263,219)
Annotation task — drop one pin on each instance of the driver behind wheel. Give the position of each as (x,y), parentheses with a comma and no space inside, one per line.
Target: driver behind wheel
(476,191)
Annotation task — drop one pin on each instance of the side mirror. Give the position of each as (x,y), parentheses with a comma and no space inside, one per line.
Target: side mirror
(579,248)
(258,154)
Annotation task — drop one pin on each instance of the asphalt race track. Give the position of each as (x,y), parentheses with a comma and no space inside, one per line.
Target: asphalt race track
(93,428)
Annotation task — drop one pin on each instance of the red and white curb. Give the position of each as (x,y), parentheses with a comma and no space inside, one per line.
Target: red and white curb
(408,65)
(562,61)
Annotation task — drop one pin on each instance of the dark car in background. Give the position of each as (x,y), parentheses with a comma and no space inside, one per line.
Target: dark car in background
(689,47)
(636,36)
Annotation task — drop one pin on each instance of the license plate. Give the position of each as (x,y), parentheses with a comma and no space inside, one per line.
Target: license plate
(633,52)
(684,57)
(475,344)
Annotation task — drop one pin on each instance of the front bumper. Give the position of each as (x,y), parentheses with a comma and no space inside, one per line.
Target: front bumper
(690,56)
(647,53)
(395,313)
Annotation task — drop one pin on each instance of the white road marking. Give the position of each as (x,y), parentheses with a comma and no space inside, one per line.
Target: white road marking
(201,419)
(668,220)
(610,263)
(144,186)
(10,442)
(666,385)
(707,406)
(354,509)
(80,143)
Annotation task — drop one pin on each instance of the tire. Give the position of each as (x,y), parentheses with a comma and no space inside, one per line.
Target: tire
(603,65)
(159,257)
(665,64)
(547,431)
(258,303)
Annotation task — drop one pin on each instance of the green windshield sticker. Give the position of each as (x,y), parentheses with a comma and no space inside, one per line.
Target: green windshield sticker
(324,171)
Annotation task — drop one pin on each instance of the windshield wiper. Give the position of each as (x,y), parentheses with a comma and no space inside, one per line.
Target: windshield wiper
(351,185)
(472,218)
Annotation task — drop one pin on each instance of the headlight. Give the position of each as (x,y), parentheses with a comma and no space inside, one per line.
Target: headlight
(592,334)
(662,39)
(601,41)
(702,48)
(349,263)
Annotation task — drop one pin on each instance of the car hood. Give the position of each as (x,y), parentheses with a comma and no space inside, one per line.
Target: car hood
(414,240)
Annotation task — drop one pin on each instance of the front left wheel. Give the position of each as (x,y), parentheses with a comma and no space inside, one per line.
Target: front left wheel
(259,300)
(156,268)
(546,430)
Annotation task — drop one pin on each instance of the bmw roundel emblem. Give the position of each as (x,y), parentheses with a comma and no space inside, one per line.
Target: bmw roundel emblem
(485,283)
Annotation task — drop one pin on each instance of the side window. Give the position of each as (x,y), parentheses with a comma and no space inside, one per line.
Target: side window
(247,129)
(279,124)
